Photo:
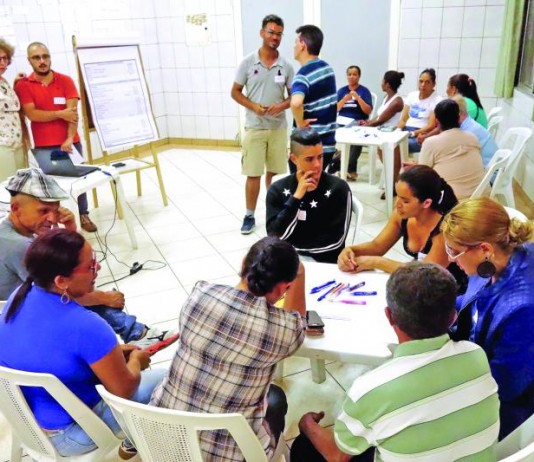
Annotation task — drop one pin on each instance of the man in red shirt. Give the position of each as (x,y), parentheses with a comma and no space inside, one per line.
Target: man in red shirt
(50,100)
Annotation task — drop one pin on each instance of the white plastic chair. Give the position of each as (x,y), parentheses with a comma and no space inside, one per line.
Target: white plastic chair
(516,140)
(28,435)
(514,213)
(494,111)
(518,445)
(373,99)
(493,125)
(495,168)
(357,209)
(163,435)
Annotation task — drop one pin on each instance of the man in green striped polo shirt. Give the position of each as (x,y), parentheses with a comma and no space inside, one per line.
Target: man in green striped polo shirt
(434,401)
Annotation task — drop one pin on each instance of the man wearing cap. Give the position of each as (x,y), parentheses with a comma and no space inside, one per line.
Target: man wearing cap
(35,209)
(50,100)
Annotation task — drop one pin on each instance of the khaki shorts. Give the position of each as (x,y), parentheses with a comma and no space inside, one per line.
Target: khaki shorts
(264,149)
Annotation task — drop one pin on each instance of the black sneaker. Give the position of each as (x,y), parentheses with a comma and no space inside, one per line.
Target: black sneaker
(248,225)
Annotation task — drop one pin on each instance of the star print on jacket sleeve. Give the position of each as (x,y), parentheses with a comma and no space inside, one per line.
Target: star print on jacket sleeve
(327,193)
(286,192)
(313,204)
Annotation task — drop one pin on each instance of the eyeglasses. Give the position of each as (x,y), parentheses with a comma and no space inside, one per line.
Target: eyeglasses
(454,254)
(40,58)
(272,32)
(4,58)
(92,268)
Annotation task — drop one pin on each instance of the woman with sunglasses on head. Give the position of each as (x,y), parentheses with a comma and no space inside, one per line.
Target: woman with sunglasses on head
(497,310)
(423,198)
(42,329)
(231,340)
(464,85)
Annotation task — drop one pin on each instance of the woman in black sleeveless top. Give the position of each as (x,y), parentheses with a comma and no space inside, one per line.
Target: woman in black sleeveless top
(423,199)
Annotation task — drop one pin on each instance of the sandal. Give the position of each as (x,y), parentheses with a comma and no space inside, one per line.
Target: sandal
(352,176)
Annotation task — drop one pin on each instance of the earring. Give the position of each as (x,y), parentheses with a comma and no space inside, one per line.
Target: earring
(64,297)
(486,269)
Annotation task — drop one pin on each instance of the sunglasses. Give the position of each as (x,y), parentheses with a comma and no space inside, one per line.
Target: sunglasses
(454,254)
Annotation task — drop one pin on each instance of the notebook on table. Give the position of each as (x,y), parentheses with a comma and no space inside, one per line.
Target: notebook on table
(59,163)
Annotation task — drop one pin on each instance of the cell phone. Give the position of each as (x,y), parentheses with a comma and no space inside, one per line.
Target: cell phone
(314,321)
(385,128)
(118,164)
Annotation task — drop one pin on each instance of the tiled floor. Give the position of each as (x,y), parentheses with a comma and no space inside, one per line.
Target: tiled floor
(197,237)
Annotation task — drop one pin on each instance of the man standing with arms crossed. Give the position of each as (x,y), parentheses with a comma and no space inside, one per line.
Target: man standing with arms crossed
(50,100)
(266,76)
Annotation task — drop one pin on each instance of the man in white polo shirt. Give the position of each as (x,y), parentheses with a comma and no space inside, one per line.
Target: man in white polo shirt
(434,401)
(267,78)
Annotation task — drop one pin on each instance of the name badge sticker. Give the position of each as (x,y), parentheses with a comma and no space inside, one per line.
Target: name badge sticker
(59,100)
(301,215)
(421,256)
(279,79)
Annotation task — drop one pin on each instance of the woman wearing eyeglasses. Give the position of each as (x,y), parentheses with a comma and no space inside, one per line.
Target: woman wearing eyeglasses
(423,198)
(497,310)
(11,139)
(42,329)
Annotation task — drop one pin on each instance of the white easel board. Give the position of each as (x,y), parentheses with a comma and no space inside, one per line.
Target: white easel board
(117,93)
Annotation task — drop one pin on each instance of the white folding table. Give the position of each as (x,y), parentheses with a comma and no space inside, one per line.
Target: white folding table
(358,334)
(107,174)
(371,136)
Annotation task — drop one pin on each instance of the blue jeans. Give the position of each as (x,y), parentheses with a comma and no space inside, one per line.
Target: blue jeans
(123,324)
(413,145)
(72,440)
(83,205)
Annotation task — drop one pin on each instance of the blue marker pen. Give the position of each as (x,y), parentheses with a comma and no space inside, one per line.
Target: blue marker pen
(356,286)
(364,293)
(321,287)
(322,297)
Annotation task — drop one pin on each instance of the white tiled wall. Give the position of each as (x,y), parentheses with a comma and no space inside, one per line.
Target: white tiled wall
(451,36)
(189,85)
(455,36)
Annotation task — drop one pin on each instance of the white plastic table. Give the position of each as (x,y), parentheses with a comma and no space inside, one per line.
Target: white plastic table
(371,136)
(358,334)
(107,174)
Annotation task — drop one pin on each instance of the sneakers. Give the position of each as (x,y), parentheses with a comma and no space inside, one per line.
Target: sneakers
(126,453)
(155,340)
(248,225)
(87,224)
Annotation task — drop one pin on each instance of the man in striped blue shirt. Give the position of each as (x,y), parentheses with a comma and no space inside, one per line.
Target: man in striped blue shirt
(434,401)
(313,92)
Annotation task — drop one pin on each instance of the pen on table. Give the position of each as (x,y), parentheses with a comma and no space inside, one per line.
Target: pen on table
(338,290)
(356,286)
(364,293)
(321,287)
(352,302)
(322,297)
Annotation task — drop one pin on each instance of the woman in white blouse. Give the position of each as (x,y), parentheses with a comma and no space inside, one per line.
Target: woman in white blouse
(11,140)
(391,109)
(389,113)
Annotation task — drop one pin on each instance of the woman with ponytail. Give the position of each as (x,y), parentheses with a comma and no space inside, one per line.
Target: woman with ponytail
(464,85)
(231,340)
(497,310)
(423,198)
(43,329)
